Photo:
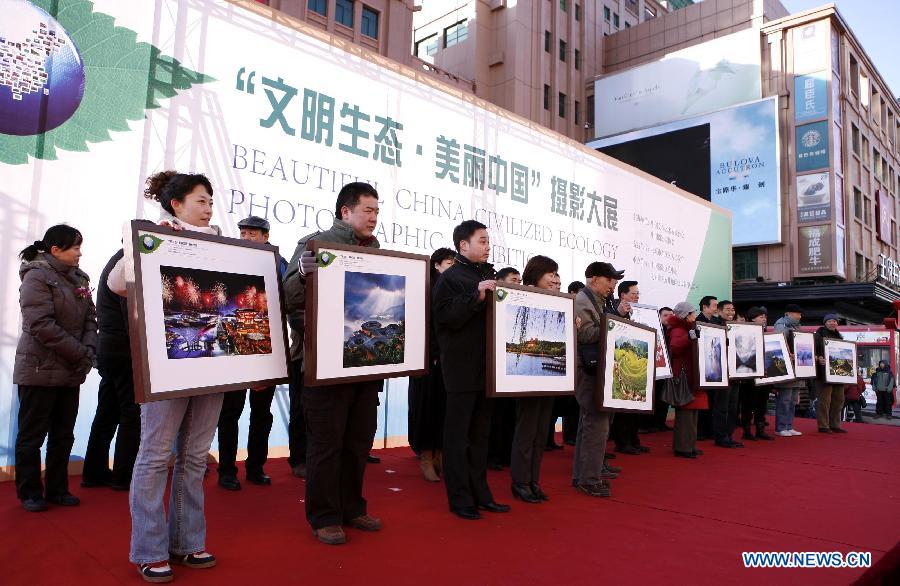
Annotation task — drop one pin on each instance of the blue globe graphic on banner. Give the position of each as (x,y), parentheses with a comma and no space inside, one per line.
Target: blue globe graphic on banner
(41,72)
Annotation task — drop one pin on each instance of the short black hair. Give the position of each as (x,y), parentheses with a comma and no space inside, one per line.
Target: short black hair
(625,286)
(349,196)
(465,230)
(665,308)
(707,300)
(575,287)
(505,272)
(437,257)
(725,302)
(537,267)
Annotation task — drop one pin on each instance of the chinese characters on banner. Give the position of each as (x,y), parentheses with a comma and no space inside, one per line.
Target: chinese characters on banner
(811,146)
(814,249)
(813,197)
(810,97)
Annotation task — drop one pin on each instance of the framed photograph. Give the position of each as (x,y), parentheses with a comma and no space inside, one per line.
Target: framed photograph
(206,314)
(804,355)
(367,315)
(648,315)
(530,342)
(627,369)
(779,367)
(840,362)
(711,356)
(745,350)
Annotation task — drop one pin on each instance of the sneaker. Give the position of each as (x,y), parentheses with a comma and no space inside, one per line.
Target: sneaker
(795,432)
(34,505)
(157,573)
(64,500)
(366,523)
(785,433)
(600,489)
(198,560)
(332,535)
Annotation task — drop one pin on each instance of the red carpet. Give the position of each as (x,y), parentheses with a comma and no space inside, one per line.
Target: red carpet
(670,520)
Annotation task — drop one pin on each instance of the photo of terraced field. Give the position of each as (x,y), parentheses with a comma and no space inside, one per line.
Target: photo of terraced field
(630,369)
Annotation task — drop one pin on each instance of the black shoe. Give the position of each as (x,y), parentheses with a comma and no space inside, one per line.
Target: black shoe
(643,449)
(536,490)
(698,452)
(229,482)
(607,474)
(35,505)
(370,459)
(761,434)
(523,493)
(614,469)
(494,507)
(259,478)
(601,489)
(470,513)
(748,435)
(299,470)
(824,430)
(838,430)
(64,500)
(630,450)
(690,455)
(724,444)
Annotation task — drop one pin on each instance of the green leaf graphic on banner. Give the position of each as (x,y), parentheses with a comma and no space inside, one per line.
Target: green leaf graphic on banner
(501,294)
(123,78)
(325,258)
(149,243)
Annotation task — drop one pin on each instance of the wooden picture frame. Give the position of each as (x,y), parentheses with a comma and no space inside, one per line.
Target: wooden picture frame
(332,354)
(649,316)
(837,361)
(638,342)
(545,369)
(804,355)
(745,350)
(711,356)
(778,363)
(186,357)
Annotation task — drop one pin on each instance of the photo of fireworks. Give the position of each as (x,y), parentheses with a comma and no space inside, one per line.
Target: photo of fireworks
(211,314)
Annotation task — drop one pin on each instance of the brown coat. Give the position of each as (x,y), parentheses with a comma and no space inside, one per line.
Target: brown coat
(59,325)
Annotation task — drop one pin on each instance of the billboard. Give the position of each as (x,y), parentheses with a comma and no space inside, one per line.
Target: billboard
(811,146)
(813,197)
(810,97)
(280,118)
(729,157)
(814,249)
(692,81)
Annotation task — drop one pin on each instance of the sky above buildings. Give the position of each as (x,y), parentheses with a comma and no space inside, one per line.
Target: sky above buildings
(875,23)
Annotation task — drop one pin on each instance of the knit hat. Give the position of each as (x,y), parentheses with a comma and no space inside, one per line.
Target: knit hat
(792,308)
(829,316)
(683,309)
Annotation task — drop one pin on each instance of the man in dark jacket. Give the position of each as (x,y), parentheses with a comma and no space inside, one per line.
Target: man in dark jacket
(829,397)
(883,384)
(115,399)
(709,313)
(458,308)
(340,419)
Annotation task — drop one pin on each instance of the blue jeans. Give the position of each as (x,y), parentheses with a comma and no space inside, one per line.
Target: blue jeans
(187,424)
(785,399)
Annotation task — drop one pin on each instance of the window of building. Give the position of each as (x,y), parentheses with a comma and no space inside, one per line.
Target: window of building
(577,59)
(606,13)
(546,97)
(318,6)
(343,12)
(547,41)
(456,34)
(867,211)
(876,163)
(746,264)
(865,93)
(562,105)
(589,113)
(857,204)
(854,139)
(427,47)
(562,5)
(883,117)
(884,170)
(890,126)
(876,105)
(369,26)
(854,75)
(577,112)
(562,50)
(860,267)
(616,19)
(627,24)
(865,151)
(578,12)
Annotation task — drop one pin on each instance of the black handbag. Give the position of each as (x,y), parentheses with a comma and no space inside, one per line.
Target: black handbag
(677,390)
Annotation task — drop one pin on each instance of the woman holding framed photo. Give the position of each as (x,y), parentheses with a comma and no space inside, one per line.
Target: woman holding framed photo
(681,335)
(533,414)
(186,424)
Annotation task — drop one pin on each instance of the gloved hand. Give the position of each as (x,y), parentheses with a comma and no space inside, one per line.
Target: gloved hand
(308,263)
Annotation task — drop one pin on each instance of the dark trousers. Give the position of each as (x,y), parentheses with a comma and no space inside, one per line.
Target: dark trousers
(503,425)
(724,409)
(704,418)
(567,408)
(115,409)
(533,415)
(426,411)
(624,430)
(854,411)
(884,404)
(684,438)
(340,427)
(660,407)
(754,401)
(45,412)
(258,434)
(296,424)
(466,431)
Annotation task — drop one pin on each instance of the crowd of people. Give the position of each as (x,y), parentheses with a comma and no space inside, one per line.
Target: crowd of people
(455,430)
